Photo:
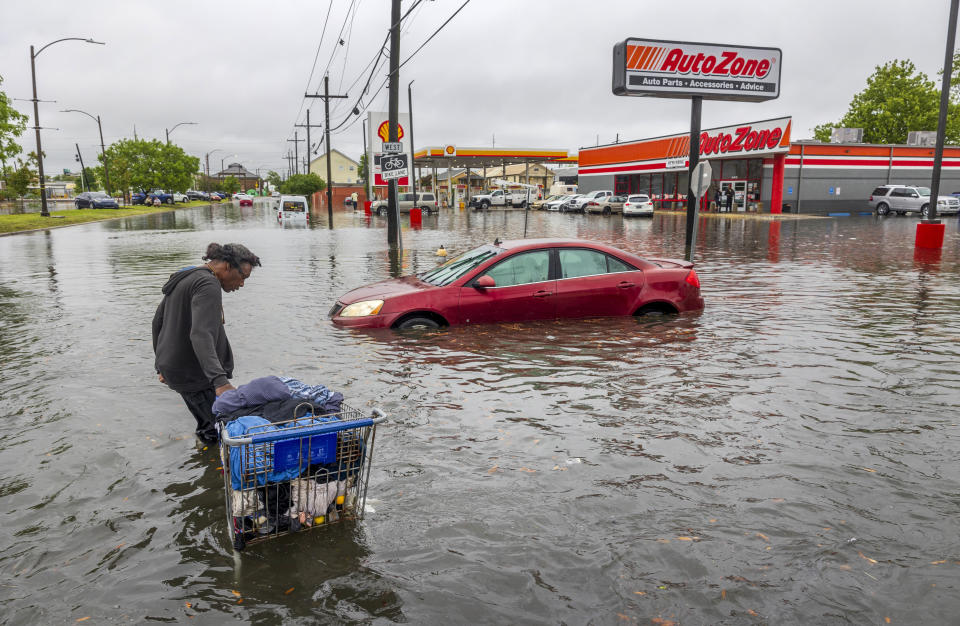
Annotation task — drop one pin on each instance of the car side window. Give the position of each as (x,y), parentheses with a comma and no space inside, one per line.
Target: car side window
(577,262)
(899,193)
(521,269)
(879,191)
(616,265)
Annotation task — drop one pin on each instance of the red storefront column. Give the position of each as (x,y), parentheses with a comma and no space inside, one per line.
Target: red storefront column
(776,189)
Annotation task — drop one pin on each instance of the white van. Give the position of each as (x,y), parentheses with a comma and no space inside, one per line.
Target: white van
(293,208)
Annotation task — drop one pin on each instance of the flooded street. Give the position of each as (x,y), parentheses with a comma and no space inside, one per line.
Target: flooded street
(788,456)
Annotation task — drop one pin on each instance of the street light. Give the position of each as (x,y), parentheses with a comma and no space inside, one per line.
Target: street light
(207,159)
(103,150)
(36,115)
(175,128)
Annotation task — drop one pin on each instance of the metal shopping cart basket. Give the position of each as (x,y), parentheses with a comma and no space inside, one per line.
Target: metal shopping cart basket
(303,473)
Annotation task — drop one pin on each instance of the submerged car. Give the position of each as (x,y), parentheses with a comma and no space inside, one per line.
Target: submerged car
(95,200)
(522,280)
(244,199)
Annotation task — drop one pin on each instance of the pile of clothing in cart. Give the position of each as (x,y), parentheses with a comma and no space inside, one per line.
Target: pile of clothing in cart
(291,481)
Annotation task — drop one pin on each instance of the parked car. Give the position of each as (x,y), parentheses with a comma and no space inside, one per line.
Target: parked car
(180,197)
(244,199)
(215,197)
(606,205)
(541,204)
(904,199)
(427,202)
(526,279)
(95,200)
(554,205)
(193,194)
(578,205)
(568,204)
(163,196)
(638,204)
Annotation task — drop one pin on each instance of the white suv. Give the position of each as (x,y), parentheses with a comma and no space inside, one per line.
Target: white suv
(905,199)
(577,205)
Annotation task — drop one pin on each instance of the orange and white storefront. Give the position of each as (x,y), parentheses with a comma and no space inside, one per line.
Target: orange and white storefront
(767,171)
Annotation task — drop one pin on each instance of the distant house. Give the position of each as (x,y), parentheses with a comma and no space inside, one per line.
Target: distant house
(247,179)
(518,173)
(343,169)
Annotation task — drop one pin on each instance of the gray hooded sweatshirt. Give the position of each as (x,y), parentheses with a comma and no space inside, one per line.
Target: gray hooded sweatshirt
(190,343)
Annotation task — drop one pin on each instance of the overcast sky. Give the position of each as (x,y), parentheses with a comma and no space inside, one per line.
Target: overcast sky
(529,73)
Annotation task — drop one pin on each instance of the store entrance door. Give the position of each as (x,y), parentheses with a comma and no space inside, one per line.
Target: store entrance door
(739,188)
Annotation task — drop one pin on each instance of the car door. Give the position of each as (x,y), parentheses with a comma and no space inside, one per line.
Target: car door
(524,291)
(591,283)
(897,198)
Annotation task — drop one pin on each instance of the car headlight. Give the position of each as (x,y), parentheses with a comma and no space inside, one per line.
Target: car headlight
(361,309)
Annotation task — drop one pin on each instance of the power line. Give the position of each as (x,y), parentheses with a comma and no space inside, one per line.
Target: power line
(315,59)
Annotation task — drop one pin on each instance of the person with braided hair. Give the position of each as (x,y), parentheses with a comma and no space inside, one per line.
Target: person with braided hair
(193,355)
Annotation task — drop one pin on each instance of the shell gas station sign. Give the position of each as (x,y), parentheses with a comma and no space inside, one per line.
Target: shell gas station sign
(378,132)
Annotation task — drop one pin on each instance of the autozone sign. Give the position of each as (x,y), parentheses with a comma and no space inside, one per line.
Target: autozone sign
(671,69)
(765,136)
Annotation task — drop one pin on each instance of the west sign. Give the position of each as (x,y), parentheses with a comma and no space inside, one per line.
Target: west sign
(674,69)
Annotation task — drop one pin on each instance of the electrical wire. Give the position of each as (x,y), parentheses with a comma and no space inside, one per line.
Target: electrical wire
(316,57)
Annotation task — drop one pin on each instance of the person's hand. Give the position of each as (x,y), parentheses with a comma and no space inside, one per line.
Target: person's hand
(220,390)
(161,378)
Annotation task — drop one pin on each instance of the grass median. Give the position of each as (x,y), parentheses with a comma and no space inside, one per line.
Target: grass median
(34,221)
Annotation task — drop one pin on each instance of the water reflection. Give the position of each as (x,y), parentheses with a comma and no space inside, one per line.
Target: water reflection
(690,468)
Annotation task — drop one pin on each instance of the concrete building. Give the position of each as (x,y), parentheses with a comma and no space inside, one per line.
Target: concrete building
(766,171)
(343,169)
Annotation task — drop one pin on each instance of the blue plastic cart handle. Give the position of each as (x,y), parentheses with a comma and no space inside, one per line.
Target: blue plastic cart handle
(307,431)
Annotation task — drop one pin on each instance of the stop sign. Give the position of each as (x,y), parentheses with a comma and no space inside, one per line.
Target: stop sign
(700,179)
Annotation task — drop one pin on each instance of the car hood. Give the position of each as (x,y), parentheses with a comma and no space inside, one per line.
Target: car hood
(386,289)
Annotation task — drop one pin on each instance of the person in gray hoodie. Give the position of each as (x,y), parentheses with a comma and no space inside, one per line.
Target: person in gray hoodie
(193,355)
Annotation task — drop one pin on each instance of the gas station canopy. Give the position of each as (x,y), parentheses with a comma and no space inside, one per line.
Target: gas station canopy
(476,158)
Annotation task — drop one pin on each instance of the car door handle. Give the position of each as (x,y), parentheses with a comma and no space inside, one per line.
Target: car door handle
(625,285)
(542,294)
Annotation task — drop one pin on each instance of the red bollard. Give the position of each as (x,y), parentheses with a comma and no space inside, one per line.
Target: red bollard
(930,236)
(416,219)
(366,207)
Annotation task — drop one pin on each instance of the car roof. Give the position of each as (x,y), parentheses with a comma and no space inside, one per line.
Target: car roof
(532,244)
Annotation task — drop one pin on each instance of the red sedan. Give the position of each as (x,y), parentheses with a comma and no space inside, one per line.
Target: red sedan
(527,279)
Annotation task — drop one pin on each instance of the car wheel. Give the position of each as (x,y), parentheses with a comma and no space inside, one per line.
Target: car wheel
(484,205)
(882,209)
(425,210)
(925,212)
(419,323)
(77,204)
(606,210)
(382,211)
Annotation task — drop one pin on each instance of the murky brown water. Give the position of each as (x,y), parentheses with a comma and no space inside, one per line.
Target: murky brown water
(788,456)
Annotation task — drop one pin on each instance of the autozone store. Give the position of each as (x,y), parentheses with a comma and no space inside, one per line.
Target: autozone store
(765,170)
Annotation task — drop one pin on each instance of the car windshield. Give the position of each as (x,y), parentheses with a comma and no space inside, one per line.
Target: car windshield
(458,266)
(637,199)
(98,194)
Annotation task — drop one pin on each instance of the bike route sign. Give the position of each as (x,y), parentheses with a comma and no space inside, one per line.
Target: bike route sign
(394,166)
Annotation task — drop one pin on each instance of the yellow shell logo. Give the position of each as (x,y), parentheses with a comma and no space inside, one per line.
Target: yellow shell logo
(450,150)
(383,131)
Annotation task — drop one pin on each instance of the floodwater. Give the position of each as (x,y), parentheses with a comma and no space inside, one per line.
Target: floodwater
(789,456)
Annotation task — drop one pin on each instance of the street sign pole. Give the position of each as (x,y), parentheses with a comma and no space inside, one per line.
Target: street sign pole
(700,179)
(696,107)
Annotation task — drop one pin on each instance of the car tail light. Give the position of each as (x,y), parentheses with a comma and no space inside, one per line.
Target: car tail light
(593,204)
(692,279)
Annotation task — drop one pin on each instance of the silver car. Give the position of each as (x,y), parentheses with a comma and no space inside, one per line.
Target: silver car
(904,199)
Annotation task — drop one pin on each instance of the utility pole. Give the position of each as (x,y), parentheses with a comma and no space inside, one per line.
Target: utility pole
(412,152)
(393,213)
(308,126)
(326,138)
(296,153)
(83,172)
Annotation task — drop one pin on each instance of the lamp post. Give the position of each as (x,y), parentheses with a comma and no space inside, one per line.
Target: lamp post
(103,150)
(175,128)
(36,115)
(207,159)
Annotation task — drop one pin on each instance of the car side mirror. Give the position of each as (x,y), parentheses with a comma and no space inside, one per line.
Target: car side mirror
(484,282)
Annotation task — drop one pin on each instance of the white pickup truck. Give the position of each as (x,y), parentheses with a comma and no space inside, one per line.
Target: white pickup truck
(503,197)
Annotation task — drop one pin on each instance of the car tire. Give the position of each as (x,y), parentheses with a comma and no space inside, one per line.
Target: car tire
(484,205)
(883,208)
(418,323)
(425,210)
(606,210)
(924,210)
(382,211)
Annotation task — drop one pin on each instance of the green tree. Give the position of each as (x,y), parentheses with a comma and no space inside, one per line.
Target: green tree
(22,175)
(364,170)
(230,184)
(139,164)
(274,179)
(303,185)
(12,125)
(896,100)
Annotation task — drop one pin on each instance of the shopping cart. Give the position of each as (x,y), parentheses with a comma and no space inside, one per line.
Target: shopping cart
(304,473)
